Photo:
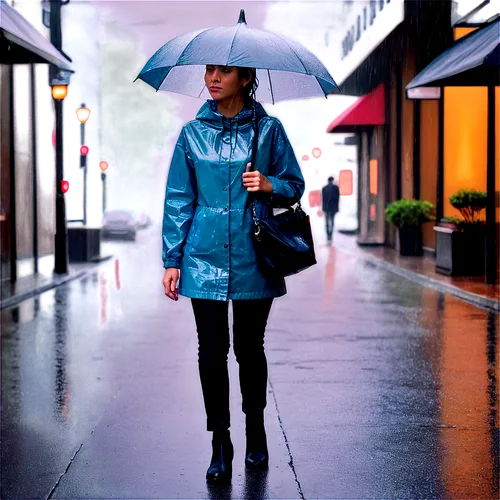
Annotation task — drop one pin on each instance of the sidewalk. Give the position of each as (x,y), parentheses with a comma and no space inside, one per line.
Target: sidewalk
(29,285)
(471,289)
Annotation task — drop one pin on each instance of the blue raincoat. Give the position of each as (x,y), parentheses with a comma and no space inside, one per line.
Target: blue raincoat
(207,223)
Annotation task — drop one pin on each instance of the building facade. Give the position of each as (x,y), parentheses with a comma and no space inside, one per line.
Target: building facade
(425,149)
(27,144)
(27,172)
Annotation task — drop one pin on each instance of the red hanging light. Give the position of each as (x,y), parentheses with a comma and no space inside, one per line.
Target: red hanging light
(64,186)
(84,150)
(305,158)
(316,152)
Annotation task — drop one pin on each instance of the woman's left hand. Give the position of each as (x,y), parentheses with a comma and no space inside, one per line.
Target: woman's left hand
(255,181)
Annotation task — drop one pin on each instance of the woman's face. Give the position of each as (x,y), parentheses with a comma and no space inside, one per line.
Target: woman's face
(223,82)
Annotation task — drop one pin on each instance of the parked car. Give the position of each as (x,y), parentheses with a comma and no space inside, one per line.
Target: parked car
(119,223)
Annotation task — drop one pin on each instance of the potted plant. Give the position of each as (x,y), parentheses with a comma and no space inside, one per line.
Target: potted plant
(408,216)
(460,243)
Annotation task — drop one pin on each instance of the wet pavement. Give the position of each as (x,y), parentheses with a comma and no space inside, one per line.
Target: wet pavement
(379,388)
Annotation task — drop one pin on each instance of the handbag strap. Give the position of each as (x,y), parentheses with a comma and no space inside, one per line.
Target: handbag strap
(253,156)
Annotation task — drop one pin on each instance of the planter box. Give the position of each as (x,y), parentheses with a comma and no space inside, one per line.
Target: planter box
(84,244)
(410,240)
(460,253)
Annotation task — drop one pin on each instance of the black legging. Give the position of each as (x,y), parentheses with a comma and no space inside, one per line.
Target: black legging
(249,325)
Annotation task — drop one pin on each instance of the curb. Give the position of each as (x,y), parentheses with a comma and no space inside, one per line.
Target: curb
(472,298)
(57,281)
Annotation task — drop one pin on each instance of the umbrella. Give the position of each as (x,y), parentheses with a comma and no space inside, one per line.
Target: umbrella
(285,69)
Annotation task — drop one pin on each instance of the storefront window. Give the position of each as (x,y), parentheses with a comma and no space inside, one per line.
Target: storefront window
(46,141)
(23,168)
(372,199)
(5,128)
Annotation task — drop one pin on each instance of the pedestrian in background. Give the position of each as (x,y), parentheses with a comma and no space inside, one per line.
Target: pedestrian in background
(208,248)
(330,199)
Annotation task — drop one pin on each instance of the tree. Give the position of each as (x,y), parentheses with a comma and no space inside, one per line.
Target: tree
(136,119)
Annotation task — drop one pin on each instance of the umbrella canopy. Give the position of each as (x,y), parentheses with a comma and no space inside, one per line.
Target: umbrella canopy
(285,69)
(20,42)
(473,60)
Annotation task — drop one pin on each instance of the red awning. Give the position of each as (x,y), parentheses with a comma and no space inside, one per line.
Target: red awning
(368,110)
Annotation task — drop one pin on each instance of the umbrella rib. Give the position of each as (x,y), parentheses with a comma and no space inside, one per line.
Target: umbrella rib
(270,85)
(232,43)
(188,44)
(181,54)
(164,78)
(293,50)
(318,78)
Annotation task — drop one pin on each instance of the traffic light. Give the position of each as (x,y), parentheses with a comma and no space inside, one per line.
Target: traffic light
(84,150)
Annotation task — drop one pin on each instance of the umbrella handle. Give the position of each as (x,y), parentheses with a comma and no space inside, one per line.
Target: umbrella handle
(253,153)
(255,140)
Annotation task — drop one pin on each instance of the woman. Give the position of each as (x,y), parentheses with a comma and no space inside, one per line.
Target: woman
(208,247)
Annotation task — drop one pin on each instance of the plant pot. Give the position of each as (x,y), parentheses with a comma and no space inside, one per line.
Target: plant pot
(460,253)
(410,240)
(448,225)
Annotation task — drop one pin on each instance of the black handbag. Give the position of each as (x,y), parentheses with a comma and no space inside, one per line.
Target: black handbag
(283,243)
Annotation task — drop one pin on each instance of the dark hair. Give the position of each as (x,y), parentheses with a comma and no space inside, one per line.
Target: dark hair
(250,87)
(330,179)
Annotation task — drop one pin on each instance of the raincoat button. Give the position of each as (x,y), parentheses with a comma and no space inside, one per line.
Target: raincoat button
(226,245)
(226,209)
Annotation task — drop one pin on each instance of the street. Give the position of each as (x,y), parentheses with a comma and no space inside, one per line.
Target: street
(378,388)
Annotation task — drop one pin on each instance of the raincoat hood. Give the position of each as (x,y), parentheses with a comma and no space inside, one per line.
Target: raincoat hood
(208,113)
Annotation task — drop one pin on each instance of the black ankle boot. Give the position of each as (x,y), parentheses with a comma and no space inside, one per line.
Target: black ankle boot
(221,464)
(257,455)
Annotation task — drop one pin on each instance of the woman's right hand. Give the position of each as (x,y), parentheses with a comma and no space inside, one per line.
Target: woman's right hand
(170,280)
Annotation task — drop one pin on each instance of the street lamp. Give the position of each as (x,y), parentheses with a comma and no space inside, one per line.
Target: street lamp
(103,166)
(59,81)
(83,114)
(59,92)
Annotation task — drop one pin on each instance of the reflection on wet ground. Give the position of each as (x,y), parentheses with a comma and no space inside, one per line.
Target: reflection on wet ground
(379,388)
